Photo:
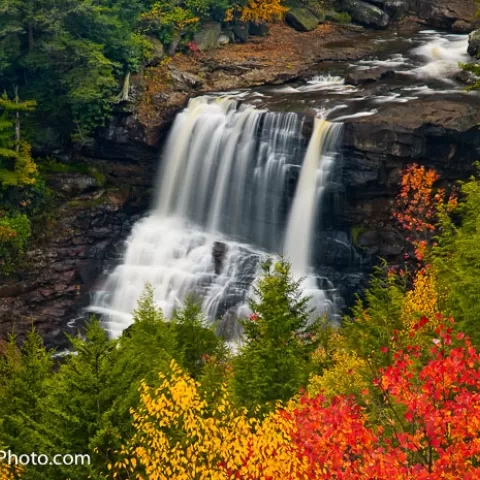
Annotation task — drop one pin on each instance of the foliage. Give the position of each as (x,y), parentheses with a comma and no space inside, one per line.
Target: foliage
(166,20)
(273,363)
(456,258)
(257,11)
(16,164)
(175,437)
(14,235)
(419,204)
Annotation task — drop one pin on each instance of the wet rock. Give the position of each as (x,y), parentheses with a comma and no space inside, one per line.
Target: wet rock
(361,77)
(460,26)
(258,29)
(219,252)
(368,15)
(474,43)
(467,78)
(302,19)
(207,37)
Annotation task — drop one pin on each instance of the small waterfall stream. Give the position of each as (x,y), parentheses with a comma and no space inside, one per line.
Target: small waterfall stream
(222,206)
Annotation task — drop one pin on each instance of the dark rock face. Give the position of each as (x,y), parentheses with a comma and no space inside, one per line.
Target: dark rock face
(88,229)
(367,14)
(440,133)
(302,19)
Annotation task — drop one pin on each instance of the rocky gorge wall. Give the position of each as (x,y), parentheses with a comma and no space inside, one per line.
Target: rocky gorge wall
(93,219)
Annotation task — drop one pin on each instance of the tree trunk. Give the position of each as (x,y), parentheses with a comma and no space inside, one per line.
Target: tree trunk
(31,40)
(17,122)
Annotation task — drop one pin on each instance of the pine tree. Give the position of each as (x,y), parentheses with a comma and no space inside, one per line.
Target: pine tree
(79,396)
(195,339)
(273,363)
(24,378)
(16,164)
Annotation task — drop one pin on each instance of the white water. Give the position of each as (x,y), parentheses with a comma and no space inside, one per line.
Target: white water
(221,208)
(312,182)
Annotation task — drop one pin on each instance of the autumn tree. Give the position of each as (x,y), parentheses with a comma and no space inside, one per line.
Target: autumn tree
(418,206)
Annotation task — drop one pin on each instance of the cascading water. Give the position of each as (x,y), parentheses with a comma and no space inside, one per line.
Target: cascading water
(312,182)
(222,205)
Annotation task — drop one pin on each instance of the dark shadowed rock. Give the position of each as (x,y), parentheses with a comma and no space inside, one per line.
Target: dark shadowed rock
(302,19)
(258,29)
(368,15)
(219,252)
(240,32)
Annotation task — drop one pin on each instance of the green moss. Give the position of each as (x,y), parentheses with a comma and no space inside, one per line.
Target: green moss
(355,233)
(50,166)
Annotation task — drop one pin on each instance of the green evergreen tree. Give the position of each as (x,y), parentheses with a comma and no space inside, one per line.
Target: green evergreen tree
(78,398)
(456,258)
(24,380)
(273,362)
(195,339)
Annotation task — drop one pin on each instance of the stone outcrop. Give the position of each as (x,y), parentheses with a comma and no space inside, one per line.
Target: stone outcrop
(302,19)
(207,36)
(367,14)
(446,13)
(442,133)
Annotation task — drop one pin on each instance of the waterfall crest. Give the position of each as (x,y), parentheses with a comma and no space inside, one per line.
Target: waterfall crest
(222,205)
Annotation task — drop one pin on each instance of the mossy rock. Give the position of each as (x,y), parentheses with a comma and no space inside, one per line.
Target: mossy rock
(303,20)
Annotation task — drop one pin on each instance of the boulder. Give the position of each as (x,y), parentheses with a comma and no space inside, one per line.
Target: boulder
(338,17)
(302,19)
(461,26)
(207,37)
(474,43)
(467,78)
(395,8)
(444,13)
(257,29)
(368,15)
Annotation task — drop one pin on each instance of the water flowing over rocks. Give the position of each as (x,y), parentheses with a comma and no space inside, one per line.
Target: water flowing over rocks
(434,129)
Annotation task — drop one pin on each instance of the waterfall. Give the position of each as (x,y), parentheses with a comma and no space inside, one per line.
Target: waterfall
(317,164)
(223,194)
